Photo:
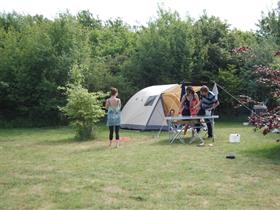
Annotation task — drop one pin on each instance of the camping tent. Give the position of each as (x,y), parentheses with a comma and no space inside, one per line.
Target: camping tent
(147,108)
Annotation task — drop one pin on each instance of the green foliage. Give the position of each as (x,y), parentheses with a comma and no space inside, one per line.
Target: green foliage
(84,109)
(269,24)
(37,55)
(35,60)
(163,52)
(110,48)
(86,19)
(212,48)
(230,81)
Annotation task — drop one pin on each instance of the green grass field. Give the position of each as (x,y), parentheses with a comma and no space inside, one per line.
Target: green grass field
(48,169)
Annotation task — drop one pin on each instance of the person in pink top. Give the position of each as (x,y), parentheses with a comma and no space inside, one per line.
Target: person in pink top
(191,99)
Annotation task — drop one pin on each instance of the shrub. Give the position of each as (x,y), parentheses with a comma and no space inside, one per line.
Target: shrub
(83,108)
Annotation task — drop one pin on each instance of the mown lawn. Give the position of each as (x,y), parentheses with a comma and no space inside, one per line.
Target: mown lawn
(47,169)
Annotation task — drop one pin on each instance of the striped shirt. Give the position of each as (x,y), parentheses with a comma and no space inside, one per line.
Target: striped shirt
(208,101)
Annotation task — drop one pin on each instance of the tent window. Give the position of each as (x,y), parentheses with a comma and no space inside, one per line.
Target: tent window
(150,101)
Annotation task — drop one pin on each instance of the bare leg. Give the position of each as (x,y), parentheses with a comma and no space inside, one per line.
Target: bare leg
(117,143)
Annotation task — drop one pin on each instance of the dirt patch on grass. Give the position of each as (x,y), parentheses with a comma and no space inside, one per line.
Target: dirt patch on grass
(112,189)
(66,189)
(31,177)
(47,205)
(44,168)
(36,189)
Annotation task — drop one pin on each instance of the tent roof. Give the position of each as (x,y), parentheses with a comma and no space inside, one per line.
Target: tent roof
(158,89)
(171,88)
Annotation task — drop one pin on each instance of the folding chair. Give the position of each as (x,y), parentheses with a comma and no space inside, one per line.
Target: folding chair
(176,132)
(198,134)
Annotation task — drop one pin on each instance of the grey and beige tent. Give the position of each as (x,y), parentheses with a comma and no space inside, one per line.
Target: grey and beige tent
(147,109)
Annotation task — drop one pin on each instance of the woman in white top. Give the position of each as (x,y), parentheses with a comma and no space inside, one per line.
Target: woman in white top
(113,105)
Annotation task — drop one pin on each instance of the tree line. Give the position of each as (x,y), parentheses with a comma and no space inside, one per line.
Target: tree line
(37,54)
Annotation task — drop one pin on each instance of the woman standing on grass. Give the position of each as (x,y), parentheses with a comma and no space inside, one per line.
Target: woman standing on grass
(113,105)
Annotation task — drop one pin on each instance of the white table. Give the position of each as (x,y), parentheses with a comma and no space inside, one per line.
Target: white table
(177,133)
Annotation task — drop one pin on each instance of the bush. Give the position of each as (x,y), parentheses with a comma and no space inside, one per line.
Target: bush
(84,109)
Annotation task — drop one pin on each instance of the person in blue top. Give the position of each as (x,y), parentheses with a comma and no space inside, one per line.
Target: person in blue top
(113,105)
(207,105)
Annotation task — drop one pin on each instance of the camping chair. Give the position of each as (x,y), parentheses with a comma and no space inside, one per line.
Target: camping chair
(176,132)
(203,131)
(177,129)
(198,134)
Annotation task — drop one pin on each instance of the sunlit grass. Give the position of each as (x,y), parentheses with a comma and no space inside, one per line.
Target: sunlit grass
(48,169)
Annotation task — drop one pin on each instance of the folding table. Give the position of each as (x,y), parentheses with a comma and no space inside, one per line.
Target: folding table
(176,127)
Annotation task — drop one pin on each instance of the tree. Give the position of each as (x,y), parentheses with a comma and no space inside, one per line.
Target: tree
(86,19)
(35,60)
(271,119)
(83,108)
(163,51)
(212,48)
(231,82)
(269,24)
(111,46)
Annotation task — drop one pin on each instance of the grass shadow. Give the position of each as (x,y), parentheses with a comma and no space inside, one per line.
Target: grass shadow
(164,142)
(101,148)
(63,141)
(270,152)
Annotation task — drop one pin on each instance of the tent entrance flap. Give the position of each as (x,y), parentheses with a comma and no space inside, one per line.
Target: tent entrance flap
(170,101)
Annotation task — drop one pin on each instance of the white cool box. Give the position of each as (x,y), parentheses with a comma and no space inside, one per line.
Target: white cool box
(234,138)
